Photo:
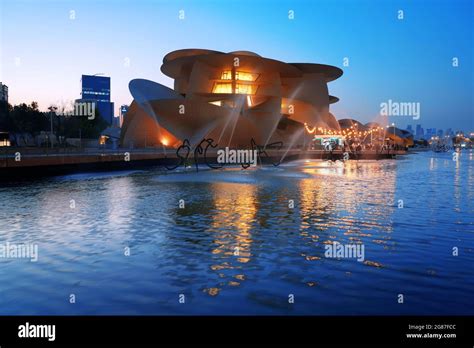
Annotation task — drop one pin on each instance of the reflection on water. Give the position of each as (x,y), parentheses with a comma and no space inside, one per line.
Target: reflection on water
(232,247)
(240,241)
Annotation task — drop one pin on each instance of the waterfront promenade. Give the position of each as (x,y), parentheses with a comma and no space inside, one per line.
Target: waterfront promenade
(33,161)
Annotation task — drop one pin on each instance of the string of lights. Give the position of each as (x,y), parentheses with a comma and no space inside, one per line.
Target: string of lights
(349,132)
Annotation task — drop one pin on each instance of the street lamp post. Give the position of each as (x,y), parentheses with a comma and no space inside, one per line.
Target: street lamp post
(51,109)
(51,125)
(393,126)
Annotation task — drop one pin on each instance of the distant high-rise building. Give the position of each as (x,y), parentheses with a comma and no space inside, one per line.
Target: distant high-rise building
(440,133)
(419,132)
(430,132)
(3,92)
(97,89)
(410,129)
(449,132)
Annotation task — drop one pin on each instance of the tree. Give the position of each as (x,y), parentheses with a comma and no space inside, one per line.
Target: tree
(6,123)
(71,126)
(27,118)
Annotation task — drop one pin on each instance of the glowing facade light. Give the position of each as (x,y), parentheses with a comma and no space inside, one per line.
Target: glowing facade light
(226,87)
(239,76)
(226,75)
(222,88)
(309,130)
(244,89)
(240,88)
(103,139)
(245,76)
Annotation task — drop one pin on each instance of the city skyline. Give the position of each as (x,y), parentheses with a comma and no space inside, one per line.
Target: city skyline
(43,59)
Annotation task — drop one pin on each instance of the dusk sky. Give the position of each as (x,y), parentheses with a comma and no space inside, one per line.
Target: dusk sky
(44,51)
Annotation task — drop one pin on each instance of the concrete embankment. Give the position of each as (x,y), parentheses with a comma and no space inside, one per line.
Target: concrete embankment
(22,162)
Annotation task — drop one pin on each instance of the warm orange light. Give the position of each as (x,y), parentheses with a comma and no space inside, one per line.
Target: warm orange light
(244,89)
(310,131)
(226,75)
(222,88)
(103,139)
(165,141)
(239,76)
(245,76)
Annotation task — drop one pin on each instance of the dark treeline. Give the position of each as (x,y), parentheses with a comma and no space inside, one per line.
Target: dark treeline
(27,118)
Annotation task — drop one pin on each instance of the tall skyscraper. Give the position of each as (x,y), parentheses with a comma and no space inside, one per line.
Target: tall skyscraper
(410,128)
(97,89)
(3,92)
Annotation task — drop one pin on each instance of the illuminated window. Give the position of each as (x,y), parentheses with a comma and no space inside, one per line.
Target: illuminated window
(245,76)
(226,75)
(244,89)
(222,88)
(239,75)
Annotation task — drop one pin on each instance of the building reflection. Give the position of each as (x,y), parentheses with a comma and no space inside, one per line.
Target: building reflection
(232,225)
(346,202)
(349,203)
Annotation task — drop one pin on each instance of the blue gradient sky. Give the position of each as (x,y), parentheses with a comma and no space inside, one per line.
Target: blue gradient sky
(404,60)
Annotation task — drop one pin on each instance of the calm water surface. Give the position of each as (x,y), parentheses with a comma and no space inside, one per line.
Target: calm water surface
(192,251)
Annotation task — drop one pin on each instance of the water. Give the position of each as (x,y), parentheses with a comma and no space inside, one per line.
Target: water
(192,251)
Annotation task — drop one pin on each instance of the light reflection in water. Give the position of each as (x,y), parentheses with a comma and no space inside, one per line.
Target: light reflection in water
(232,246)
(280,249)
(346,189)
